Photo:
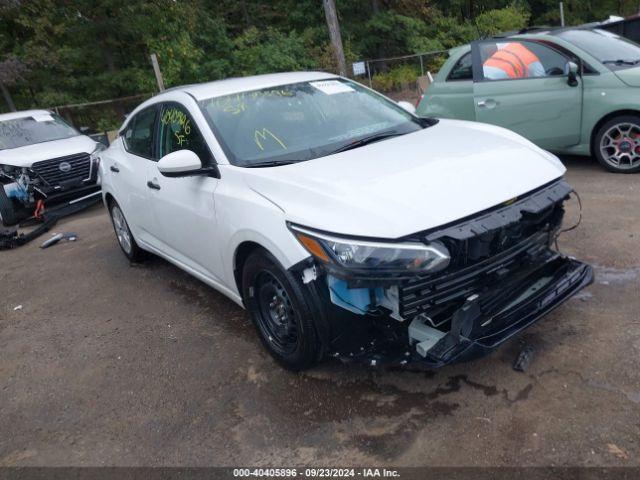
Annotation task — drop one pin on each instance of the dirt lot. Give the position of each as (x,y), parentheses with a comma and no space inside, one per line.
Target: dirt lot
(112,364)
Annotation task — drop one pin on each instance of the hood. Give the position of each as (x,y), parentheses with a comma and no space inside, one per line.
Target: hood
(630,76)
(29,154)
(407,184)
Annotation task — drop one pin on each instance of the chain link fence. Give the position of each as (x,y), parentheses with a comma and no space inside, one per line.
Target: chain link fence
(402,78)
(101,116)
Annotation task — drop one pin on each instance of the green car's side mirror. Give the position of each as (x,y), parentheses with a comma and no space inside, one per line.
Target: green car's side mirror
(571,71)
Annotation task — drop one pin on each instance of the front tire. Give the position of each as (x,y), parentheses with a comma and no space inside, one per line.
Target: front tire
(617,144)
(8,215)
(125,238)
(281,312)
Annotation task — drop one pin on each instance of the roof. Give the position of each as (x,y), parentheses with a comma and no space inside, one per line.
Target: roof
(242,84)
(23,114)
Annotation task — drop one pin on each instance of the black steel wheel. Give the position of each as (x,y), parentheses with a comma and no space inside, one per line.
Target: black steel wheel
(281,312)
(276,316)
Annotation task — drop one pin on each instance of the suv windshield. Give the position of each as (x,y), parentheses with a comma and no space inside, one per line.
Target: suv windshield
(302,121)
(614,51)
(37,128)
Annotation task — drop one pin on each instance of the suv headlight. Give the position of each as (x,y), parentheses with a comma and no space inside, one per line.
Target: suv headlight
(10,170)
(382,257)
(95,155)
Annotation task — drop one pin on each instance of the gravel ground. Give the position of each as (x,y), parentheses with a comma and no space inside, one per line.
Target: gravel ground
(112,364)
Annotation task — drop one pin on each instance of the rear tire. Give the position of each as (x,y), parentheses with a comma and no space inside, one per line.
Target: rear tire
(8,215)
(281,312)
(125,238)
(616,144)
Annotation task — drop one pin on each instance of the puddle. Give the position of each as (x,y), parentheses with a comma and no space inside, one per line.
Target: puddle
(615,276)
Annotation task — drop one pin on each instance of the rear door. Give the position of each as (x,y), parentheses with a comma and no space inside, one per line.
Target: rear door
(522,85)
(129,173)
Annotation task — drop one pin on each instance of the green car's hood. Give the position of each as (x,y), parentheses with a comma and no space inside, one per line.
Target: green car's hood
(630,76)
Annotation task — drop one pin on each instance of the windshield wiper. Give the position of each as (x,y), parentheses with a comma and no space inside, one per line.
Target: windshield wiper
(366,140)
(269,163)
(622,62)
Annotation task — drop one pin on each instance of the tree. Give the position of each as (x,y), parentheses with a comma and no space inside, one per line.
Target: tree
(335,35)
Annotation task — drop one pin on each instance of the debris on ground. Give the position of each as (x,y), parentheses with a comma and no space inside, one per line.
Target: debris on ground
(525,357)
(617,451)
(19,307)
(57,237)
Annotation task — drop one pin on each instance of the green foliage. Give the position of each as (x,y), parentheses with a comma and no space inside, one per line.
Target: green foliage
(55,52)
(505,19)
(258,52)
(398,78)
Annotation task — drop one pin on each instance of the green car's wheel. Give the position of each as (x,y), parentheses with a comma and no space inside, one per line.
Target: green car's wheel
(617,144)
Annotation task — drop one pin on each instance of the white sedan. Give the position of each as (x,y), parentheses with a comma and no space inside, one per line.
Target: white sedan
(346,225)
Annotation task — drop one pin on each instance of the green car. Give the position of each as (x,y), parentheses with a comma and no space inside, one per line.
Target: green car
(568,90)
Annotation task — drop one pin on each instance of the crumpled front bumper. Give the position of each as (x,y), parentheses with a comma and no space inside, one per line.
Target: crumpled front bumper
(487,320)
(503,277)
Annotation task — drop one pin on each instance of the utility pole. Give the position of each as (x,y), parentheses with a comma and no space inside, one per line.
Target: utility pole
(156,70)
(334,34)
(561,14)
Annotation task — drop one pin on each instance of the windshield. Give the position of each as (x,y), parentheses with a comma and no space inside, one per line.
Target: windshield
(614,51)
(38,128)
(302,121)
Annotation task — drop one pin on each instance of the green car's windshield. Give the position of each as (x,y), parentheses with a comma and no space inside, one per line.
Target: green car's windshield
(302,121)
(612,50)
(38,128)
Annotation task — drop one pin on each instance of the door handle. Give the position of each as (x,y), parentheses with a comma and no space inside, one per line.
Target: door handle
(153,185)
(114,169)
(487,103)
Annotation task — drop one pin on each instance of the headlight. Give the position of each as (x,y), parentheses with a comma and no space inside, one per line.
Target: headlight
(381,257)
(11,171)
(95,155)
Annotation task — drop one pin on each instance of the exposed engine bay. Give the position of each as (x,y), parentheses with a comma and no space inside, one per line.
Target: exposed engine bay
(503,275)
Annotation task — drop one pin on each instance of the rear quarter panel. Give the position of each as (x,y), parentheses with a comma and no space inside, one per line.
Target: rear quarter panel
(603,94)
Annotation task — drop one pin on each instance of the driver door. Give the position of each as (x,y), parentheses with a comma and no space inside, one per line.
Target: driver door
(184,207)
(521,85)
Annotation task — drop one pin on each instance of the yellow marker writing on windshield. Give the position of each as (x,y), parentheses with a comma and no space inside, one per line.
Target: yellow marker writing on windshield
(258,135)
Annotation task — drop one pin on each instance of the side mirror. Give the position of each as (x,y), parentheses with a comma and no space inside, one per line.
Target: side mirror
(407,106)
(181,163)
(571,71)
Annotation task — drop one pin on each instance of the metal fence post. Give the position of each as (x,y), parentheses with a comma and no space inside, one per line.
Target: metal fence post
(369,74)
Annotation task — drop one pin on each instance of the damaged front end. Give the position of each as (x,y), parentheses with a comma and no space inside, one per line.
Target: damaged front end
(52,181)
(475,284)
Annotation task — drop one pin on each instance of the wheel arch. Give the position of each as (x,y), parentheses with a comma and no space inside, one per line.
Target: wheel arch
(109,200)
(605,119)
(240,256)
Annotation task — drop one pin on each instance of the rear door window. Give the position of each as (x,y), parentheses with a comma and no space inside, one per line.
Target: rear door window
(138,136)
(463,69)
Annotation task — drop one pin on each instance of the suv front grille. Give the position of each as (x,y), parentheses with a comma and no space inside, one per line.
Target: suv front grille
(74,167)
